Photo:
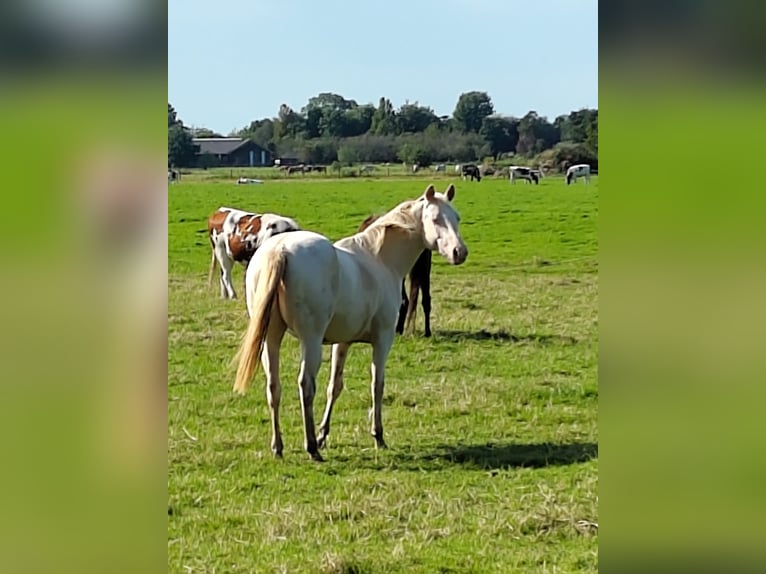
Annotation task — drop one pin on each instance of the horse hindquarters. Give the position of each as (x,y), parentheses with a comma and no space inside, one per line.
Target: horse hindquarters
(310,287)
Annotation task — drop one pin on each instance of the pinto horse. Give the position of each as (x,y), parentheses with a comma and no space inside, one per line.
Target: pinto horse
(235,235)
(420,281)
(579,170)
(338,293)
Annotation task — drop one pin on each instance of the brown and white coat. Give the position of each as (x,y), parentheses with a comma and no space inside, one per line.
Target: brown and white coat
(234,237)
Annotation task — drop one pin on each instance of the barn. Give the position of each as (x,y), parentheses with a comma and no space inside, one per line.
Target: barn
(231,152)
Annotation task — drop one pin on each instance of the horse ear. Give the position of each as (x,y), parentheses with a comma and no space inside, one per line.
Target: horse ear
(450,193)
(430,193)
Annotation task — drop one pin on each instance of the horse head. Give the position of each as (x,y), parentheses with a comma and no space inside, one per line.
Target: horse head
(440,225)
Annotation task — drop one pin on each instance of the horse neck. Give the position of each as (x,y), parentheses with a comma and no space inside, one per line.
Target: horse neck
(400,249)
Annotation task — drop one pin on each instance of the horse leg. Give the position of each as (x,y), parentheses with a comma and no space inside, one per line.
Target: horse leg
(380,349)
(311,358)
(226,282)
(412,310)
(339,353)
(270,362)
(402,311)
(425,290)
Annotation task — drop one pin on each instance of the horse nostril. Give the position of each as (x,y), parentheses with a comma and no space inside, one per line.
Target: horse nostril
(455,254)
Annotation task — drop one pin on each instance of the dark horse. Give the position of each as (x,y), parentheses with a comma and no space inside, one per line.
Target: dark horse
(420,280)
(472,171)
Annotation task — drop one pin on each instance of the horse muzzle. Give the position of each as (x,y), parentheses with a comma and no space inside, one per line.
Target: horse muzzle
(458,255)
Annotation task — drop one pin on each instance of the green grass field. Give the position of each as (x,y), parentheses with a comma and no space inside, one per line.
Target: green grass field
(491,424)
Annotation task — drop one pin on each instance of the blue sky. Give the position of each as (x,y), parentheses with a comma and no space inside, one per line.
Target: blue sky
(234,61)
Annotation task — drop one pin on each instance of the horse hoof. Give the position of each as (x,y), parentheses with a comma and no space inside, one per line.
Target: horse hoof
(320,442)
(316,457)
(277,453)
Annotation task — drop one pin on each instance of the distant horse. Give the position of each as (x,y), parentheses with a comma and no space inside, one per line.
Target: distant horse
(440,168)
(472,171)
(338,293)
(174,175)
(579,170)
(526,173)
(420,281)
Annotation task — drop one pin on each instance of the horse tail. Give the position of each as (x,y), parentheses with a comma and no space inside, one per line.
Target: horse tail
(265,290)
(213,260)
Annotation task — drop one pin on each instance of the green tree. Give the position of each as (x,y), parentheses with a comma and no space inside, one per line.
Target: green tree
(536,134)
(576,126)
(501,133)
(358,120)
(331,120)
(383,120)
(206,133)
(290,123)
(313,121)
(181,148)
(327,101)
(414,153)
(413,118)
(172,116)
(348,154)
(471,109)
(260,131)
(591,132)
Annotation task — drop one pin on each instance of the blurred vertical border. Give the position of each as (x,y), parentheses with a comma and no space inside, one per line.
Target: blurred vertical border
(683,112)
(83,303)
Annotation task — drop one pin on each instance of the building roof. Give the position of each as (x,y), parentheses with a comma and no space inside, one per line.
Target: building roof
(219,146)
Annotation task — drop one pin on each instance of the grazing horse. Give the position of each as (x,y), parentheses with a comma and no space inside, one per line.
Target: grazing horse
(526,173)
(440,168)
(579,170)
(472,171)
(338,293)
(420,281)
(234,237)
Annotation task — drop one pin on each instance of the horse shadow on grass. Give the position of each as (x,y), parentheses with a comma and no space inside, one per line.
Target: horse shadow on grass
(488,456)
(502,336)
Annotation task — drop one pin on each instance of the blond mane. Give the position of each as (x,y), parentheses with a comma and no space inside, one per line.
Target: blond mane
(400,217)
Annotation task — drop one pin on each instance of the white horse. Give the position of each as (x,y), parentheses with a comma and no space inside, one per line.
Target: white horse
(338,293)
(579,170)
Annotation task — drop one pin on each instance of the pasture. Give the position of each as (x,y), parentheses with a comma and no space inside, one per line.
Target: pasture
(491,423)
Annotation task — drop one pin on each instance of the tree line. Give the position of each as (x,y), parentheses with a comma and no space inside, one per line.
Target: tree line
(331,128)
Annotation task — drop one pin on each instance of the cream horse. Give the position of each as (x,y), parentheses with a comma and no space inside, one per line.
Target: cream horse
(342,293)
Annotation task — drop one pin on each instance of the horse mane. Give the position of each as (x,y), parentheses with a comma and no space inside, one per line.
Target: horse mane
(400,217)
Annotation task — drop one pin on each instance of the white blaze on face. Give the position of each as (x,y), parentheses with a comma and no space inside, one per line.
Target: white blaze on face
(440,229)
